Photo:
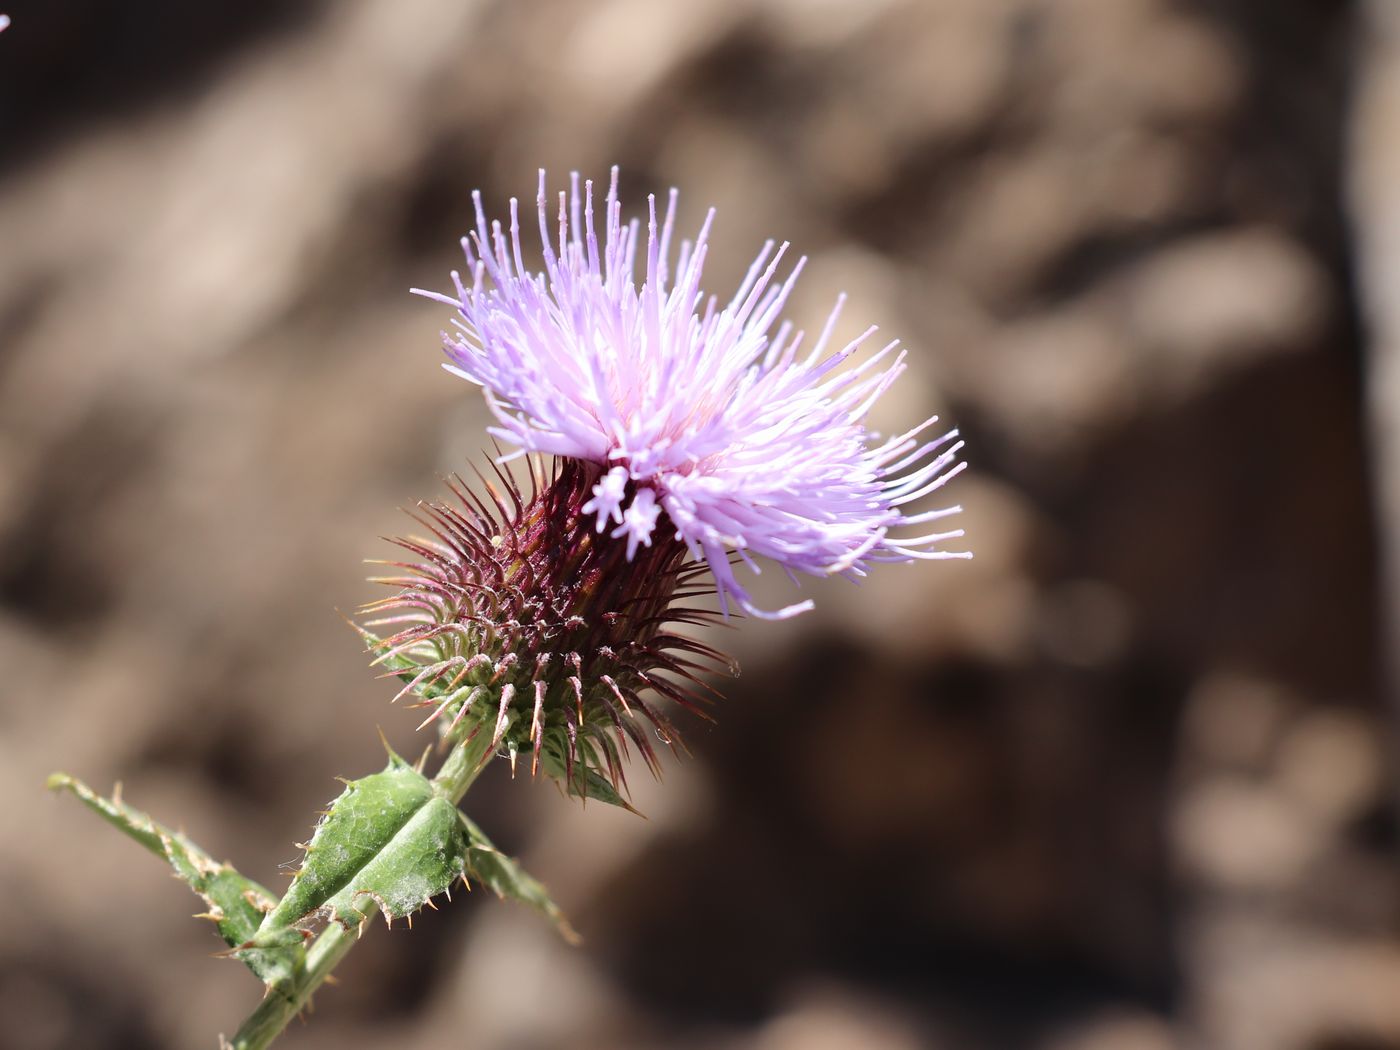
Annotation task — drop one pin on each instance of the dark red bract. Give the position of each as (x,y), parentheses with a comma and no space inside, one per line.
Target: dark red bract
(519,618)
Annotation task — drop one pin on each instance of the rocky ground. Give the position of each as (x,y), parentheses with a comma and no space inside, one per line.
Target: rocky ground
(1121,783)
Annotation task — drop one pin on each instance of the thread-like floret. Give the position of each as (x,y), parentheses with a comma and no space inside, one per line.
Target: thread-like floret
(709,424)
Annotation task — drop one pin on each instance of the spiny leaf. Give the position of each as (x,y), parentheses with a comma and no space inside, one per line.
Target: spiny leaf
(236,903)
(389,838)
(392,840)
(506,878)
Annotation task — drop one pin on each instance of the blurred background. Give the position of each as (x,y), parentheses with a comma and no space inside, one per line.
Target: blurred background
(1121,783)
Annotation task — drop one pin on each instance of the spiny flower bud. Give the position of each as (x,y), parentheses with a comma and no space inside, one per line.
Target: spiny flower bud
(520,619)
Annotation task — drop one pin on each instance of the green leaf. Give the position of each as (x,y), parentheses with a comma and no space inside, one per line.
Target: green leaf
(236,904)
(506,878)
(389,839)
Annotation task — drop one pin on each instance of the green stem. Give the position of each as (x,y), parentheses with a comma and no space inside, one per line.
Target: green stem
(278,1008)
(461,767)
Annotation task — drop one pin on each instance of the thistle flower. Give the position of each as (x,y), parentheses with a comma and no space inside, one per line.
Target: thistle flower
(676,427)
(712,424)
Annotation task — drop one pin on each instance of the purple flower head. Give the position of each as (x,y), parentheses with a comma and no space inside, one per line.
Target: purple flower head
(710,421)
